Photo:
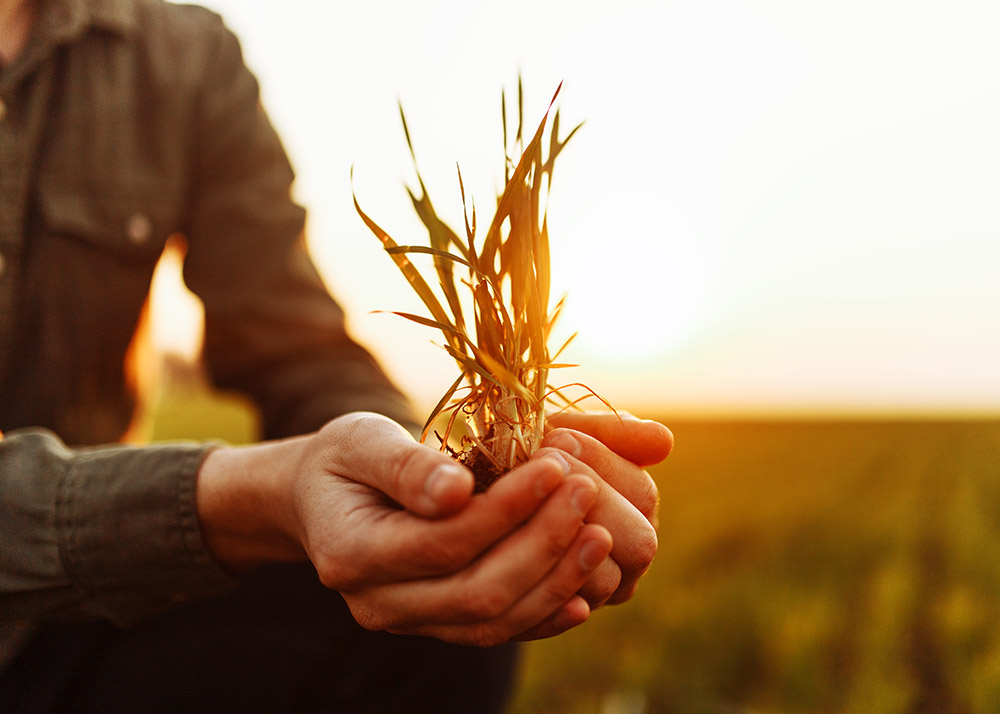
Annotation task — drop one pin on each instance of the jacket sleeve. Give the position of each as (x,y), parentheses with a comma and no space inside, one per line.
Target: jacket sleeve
(272,331)
(109,531)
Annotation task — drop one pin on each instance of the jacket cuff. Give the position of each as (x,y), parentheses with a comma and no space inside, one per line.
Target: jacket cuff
(128,531)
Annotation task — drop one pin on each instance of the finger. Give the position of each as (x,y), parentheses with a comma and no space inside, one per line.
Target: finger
(549,608)
(631,481)
(635,538)
(602,585)
(396,545)
(500,578)
(635,541)
(376,451)
(623,594)
(573,613)
(641,441)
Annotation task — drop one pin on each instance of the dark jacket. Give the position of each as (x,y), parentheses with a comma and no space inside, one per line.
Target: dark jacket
(125,122)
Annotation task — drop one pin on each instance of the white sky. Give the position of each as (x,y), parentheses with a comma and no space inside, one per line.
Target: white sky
(773,206)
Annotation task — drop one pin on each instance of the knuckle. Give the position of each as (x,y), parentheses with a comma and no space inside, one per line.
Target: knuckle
(605,586)
(623,594)
(555,543)
(336,575)
(339,435)
(649,499)
(443,556)
(337,572)
(562,587)
(641,551)
(402,463)
(346,425)
(328,569)
(368,617)
(484,604)
(485,635)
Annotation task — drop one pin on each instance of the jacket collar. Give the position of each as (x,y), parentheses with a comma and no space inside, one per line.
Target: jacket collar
(71,18)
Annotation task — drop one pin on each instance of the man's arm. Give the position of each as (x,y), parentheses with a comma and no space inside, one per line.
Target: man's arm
(272,331)
(389,523)
(126,532)
(111,532)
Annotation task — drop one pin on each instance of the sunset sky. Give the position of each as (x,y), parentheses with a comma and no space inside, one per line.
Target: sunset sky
(773,207)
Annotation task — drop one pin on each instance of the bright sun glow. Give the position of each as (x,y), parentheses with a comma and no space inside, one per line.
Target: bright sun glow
(772,204)
(633,297)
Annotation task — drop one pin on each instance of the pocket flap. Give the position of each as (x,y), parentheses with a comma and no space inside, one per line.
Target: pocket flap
(129,227)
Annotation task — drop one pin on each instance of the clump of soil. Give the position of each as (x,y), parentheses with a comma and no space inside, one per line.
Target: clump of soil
(483,470)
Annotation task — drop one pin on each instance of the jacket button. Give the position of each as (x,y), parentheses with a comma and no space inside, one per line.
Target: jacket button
(139,228)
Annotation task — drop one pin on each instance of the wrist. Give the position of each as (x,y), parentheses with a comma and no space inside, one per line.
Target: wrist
(243,502)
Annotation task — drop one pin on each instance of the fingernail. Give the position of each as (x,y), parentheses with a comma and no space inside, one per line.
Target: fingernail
(559,459)
(583,499)
(566,442)
(569,616)
(442,480)
(591,555)
(547,479)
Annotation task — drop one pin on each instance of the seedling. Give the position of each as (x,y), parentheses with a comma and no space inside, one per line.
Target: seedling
(493,307)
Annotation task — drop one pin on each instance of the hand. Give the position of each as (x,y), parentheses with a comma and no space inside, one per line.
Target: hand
(613,451)
(393,526)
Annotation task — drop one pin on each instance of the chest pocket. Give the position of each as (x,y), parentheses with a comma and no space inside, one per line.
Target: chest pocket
(122,226)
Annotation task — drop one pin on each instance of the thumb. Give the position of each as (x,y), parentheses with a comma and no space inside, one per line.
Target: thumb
(376,451)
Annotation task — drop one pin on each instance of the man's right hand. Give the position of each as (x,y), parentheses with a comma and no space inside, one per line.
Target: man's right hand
(394,527)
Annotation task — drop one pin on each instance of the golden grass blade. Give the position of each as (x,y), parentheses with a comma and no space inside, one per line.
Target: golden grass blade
(406,267)
(441,236)
(486,451)
(543,270)
(444,255)
(439,407)
(508,162)
(556,146)
(472,365)
(591,394)
(427,322)
(503,376)
(489,331)
(565,345)
(451,424)
(470,231)
(520,108)
(406,132)
(513,189)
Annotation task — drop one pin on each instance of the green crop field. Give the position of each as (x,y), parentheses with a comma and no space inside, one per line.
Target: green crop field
(803,567)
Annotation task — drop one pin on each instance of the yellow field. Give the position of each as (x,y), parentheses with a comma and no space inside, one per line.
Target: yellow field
(804,567)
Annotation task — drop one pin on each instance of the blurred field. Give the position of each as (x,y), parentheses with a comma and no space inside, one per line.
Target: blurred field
(804,567)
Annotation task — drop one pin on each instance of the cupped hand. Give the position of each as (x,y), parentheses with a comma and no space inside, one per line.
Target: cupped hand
(613,450)
(394,527)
